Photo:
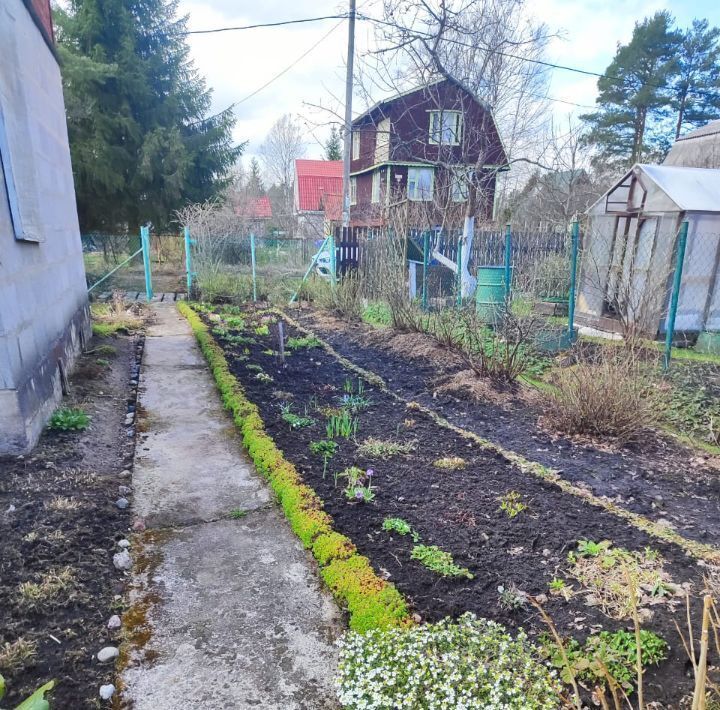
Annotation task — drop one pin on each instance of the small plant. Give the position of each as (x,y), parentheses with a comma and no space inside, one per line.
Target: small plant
(439,561)
(589,548)
(238,513)
(36,701)
(264,377)
(511,504)
(359,484)
(53,588)
(17,655)
(102,362)
(559,587)
(62,503)
(378,448)
(262,330)
(69,419)
(234,322)
(468,663)
(309,341)
(294,420)
(510,598)
(343,424)
(450,463)
(105,350)
(401,527)
(254,367)
(324,448)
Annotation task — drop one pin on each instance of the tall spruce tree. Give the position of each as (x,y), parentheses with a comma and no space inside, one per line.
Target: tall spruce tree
(635,95)
(141,139)
(696,87)
(333,145)
(255,185)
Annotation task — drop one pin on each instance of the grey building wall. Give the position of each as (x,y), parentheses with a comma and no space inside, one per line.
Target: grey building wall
(44,317)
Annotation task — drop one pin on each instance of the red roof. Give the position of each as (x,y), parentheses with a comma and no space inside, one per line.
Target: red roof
(333,207)
(315,178)
(255,208)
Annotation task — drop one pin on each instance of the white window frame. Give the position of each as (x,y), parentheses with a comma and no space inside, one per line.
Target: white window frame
(355,145)
(375,196)
(353,190)
(454,130)
(412,184)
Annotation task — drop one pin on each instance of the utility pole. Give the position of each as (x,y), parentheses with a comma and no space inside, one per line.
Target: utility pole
(347,135)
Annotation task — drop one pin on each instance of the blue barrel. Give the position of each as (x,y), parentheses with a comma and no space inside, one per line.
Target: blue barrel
(490,292)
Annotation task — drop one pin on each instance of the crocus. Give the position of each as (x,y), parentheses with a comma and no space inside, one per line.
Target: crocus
(370,473)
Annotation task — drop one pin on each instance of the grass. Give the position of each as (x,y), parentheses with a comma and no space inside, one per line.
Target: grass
(238,513)
(371,601)
(373,448)
(53,588)
(450,463)
(63,503)
(69,419)
(300,343)
(16,655)
(114,317)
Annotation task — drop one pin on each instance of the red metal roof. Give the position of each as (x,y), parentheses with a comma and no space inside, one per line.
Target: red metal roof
(314,179)
(255,208)
(333,207)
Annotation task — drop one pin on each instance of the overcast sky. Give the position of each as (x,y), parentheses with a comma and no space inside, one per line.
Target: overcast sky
(236,64)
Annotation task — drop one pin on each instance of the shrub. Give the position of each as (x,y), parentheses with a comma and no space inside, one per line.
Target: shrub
(346,298)
(69,419)
(471,663)
(439,561)
(610,395)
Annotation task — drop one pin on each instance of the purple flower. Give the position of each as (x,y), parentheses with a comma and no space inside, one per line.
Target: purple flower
(359,494)
(369,473)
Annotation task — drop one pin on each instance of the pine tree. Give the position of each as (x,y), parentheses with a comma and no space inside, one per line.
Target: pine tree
(255,185)
(333,145)
(635,97)
(697,84)
(141,140)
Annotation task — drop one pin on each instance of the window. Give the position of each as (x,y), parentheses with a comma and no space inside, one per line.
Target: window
(8,182)
(459,183)
(382,141)
(376,186)
(445,127)
(355,145)
(353,191)
(420,184)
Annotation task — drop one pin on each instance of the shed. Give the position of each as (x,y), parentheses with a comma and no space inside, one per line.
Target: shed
(697,149)
(630,248)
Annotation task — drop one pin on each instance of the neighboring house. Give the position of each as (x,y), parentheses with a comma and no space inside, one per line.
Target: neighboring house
(44,319)
(314,180)
(255,212)
(421,148)
(698,149)
(629,252)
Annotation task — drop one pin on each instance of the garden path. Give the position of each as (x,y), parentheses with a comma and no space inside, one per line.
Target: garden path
(236,614)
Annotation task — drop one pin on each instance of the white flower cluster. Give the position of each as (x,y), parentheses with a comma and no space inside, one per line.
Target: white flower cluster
(466,664)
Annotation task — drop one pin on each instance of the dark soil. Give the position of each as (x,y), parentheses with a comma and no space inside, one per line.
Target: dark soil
(656,477)
(40,532)
(457,510)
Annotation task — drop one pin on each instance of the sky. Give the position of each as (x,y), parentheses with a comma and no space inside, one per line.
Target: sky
(237,64)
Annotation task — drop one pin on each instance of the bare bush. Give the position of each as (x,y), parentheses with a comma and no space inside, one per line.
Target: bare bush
(610,393)
(345,298)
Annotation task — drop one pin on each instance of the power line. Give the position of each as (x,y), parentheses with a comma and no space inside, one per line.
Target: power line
(281,23)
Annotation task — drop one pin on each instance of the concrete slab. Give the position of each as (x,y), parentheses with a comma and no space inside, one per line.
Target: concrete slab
(242,623)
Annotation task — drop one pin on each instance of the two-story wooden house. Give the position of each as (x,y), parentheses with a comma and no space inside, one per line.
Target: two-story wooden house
(424,149)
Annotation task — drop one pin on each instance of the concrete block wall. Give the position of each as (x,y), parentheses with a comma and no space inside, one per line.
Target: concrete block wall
(44,319)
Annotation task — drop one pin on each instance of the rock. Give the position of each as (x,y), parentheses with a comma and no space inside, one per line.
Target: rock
(124,490)
(122,560)
(125,474)
(11,508)
(123,544)
(108,653)
(122,503)
(129,418)
(107,691)
(138,525)
(114,622)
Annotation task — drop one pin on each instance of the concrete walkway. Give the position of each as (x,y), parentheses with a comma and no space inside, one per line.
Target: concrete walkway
(237,616)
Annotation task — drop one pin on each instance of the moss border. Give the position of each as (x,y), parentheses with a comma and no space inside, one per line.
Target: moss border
(699,550)
(372,602)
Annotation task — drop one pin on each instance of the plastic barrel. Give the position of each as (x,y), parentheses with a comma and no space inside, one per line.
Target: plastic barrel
(490,292)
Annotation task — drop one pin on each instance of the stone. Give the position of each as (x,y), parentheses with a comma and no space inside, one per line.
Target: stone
(125,474)
(123,544)
(114,622)
(107,691)
(109,653)
(122,560)
(138,525)
(122,503)
(124,490)
(129,418)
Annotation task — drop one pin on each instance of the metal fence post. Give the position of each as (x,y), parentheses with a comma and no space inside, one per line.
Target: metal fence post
(574,246)
(459,271)
(508,262)
(188,261)
(333,257)
(145,243)
(426,250)
(252,261)
(672,313)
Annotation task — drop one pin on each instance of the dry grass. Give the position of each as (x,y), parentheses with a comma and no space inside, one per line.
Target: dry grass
(381,449)
(16,655)
(450,463)
(609,395)
(63,503)
(53,588)
(117,315)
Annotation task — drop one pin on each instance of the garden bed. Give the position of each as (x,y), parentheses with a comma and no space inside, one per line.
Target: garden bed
(59,525)
(658,477)
(454,493)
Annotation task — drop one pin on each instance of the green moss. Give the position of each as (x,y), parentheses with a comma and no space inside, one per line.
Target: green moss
(371,601)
